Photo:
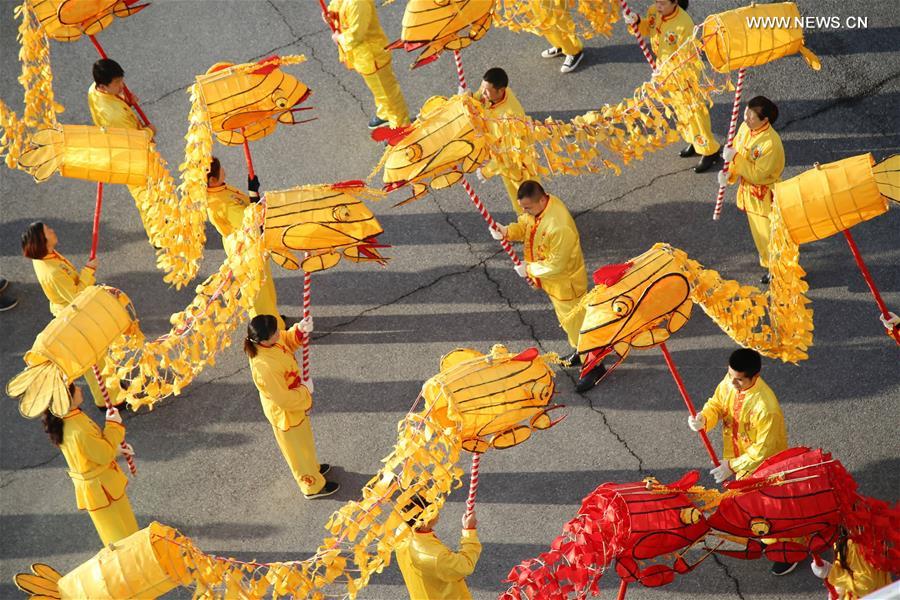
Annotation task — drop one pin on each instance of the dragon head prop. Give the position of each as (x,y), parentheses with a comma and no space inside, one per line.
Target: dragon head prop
(500,397)
(437,25)
(324,221)
(68,20)
(248,101)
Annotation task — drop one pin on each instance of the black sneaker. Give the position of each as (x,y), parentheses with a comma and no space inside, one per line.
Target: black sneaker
(587,382)
(765,279)
(324,468)
(376,122)
(7,303)
(552,53)
(707,162)
(783,568)
(573,359)
(328,489)
(3,283)
(688,152)
(571,62)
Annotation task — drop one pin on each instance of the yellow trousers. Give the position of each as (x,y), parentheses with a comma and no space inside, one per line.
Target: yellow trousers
(570,315)
(114,522)
(569,42)
(699,132)
(759,229)
(299,450)
(512,188)
(389,102)
(91,382)
(266,301)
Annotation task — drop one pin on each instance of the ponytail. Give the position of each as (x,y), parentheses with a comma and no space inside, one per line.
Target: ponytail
(683,4)
(260,328)
(53,425)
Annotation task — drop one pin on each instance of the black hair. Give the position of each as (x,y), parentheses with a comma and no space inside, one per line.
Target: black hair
(53,425)
(260,328)
(746,361)
(682,3)
(497,77)
(34,241)
(840,551)
(764,108)
(105,70)
(215,169)
(416,501)
(530,189)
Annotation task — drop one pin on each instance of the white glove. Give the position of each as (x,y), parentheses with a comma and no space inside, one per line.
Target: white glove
(891,322)
(305,325)
(722,472)
(496,233)
(521,270)
(308,384)
(480,176)
(126,450)
(461,90)
(630,17)
(112,414)
(723,178)
(728,153)
(821,571)
(697,423)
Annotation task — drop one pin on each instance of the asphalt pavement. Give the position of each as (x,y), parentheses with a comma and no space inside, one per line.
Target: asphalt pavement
(207,461)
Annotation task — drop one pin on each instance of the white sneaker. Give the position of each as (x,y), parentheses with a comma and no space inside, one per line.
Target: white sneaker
(552,53)
(571,62)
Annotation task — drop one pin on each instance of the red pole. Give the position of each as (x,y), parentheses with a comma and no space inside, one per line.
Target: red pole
(95,234)
(854,249)
(687,401)
(325,14)
(623,586)
(247,156)
(640,38)
(732,127)
(128,93)
(102,385)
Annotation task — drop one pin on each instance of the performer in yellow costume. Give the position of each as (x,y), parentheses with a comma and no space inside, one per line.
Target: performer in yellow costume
(758,160)
(668,26)
(61,282)
(225,206)
(108,104)
(500,101)
(361,46)
(286,399)
(91,457)
(851,575)
(432,571)
(553,262)
(563,40)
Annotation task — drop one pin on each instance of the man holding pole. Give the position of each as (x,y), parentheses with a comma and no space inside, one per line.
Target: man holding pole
(362,48)
(110,106)
(553,263)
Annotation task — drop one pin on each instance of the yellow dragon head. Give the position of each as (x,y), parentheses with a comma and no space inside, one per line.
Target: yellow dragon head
(324,221)
(501,397)
(438,25)
(436,150)
(637,304)
(249,100)
(68,20)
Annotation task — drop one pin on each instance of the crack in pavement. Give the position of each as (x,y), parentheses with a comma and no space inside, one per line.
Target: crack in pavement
(32,466)
(340,83)
(725,569)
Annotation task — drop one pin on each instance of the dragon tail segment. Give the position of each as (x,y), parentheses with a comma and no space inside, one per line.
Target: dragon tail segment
(887,177)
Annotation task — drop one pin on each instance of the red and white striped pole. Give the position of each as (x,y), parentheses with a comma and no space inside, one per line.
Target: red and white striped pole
(460,74)
(735,110)
(102,385)
(490,220)
(473,484)
(640,39)
(307,301)
(854,250)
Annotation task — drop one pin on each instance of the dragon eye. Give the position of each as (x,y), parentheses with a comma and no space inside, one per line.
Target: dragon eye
(414,152)
(622,305)
(281,102)
(341,213)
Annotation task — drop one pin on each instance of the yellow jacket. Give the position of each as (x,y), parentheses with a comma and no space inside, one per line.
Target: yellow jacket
(91,457)
(865,579)
(434,572)
(666,33)
(759,162)
(362,41)
(60,281)
(225,207)
(108,110)
(285,401)
(552,250)
(509,106)
(752,424)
